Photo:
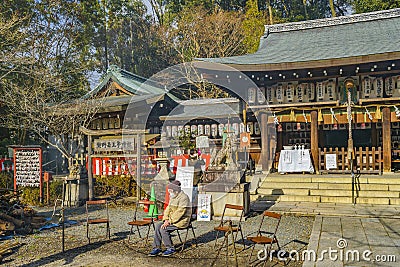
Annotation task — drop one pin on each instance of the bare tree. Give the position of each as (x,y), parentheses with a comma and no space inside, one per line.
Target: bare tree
(200,34)
(42,80)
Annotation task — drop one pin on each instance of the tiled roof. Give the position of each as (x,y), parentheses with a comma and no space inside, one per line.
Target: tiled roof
(131,82)
(333,38)
(204,109)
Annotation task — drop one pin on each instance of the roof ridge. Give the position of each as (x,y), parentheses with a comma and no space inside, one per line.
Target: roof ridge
(116,69)
(326,22)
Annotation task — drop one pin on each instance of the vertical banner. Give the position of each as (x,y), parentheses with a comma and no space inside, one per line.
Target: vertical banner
(204,207)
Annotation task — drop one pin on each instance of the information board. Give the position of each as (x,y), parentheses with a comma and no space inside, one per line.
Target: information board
(185,176)
(204,207)
(330,161)
(202,142)
(28,167)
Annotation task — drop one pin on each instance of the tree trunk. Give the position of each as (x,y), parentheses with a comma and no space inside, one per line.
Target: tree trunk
(271,19)
(332,6)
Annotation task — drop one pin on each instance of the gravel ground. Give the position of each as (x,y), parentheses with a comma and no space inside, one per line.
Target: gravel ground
(44,248)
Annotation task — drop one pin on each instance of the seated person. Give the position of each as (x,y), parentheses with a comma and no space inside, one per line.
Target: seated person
(176,215)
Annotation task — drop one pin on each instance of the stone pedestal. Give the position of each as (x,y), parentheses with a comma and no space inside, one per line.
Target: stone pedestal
(237,195)
(76,192)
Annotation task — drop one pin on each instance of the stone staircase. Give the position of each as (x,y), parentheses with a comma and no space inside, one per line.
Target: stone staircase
(370,189)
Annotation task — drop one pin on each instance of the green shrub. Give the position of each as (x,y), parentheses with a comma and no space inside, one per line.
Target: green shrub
(6,180)
(115,185)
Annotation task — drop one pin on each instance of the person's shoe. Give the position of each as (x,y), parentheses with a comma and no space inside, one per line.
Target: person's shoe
(169,252)
(155,252)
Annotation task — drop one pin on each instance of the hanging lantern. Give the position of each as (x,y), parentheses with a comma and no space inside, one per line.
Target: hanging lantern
(378,114)
(320,118)
(292,116)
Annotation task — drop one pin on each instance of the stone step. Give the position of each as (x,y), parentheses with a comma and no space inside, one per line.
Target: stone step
(348,193)
(283,191)
(330,192)
(335,199)
(347,186)
(283,179)
(282,185)
(394,201)
(291,198)
(375,200)
(379,194)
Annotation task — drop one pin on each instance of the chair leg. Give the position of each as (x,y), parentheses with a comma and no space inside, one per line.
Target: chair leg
(184,242)
(108,231)
(194,236)
(147,235)
(234,249)
(244,245)
(215,243)
(251,254)
(138,230)
(179,235)
(87,232)
(130,233)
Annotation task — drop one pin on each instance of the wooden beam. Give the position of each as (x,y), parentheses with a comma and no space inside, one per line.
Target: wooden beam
(90,169)
(110,131)
(314,139)
(386,140)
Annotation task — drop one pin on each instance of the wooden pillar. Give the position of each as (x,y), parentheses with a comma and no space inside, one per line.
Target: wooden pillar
(90,169)
(138,166)
(314,139)
(386,140)
(374,140)
(264,142)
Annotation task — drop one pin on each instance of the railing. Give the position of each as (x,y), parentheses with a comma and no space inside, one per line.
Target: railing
(367,160)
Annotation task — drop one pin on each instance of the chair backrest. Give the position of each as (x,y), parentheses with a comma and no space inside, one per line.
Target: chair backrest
(101,202)
(144,202)
(232,207)
(273,215)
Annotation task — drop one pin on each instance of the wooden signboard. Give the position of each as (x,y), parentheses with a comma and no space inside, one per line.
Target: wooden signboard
(28,167)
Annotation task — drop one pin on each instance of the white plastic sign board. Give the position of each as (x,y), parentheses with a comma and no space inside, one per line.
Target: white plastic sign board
(185,176)
(204,207)
(330,161)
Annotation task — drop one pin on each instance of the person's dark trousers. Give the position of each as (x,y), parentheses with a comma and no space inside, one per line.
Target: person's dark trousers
(163,235)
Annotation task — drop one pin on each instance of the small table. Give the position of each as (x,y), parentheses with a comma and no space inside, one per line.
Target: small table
(298,160)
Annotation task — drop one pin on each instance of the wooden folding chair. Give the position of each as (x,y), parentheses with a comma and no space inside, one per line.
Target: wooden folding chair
(143,222)
(102,220)
(190,226)
(267,241)
(229,228)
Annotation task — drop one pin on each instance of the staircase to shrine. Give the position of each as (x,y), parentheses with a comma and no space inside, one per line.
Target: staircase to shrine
(332,188)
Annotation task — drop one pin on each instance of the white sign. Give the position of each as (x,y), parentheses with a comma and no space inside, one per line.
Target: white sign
(185,176)
(202,142)
(204,207)
(330,161)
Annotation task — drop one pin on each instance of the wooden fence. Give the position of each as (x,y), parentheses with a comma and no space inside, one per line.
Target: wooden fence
(368,160)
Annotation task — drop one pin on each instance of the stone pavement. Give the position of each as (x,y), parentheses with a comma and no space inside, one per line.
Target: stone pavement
(349,235)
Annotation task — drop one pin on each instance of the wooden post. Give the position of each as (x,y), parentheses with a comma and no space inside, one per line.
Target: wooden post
(264,142)
(138,165)
(386,140)
(314,140)
(90,168)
